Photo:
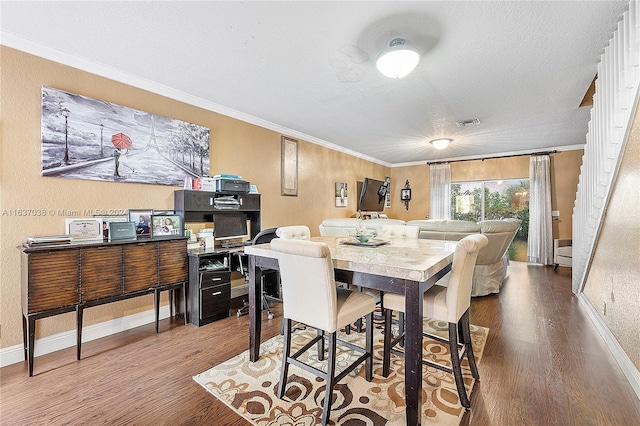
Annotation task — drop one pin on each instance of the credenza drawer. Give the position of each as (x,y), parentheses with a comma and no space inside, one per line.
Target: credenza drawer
(50,280)
(215,301)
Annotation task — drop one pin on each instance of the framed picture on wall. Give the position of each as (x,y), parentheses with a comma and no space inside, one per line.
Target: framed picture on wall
(289,167)
(341,194)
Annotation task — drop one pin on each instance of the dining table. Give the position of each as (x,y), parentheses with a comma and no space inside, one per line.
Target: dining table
(402,266)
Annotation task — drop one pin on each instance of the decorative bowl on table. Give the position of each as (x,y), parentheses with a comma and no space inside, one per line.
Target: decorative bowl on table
(363,235)
(363,238)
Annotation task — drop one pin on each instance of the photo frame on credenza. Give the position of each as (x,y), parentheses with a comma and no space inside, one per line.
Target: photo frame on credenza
(166,225)
(142,219)
(84,229)
(106,219)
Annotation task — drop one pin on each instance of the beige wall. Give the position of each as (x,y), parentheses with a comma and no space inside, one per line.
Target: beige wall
(614,276)
(418,177)
(236,147)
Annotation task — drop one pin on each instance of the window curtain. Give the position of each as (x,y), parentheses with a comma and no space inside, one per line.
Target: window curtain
(440,191)
(540,247)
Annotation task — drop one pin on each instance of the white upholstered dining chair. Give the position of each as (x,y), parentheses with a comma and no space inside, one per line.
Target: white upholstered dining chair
(448,302)
(399,231)
(310,296)
(296,232)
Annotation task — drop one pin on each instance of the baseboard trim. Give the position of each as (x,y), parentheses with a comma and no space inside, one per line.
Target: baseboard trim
(15,354)
(628,368)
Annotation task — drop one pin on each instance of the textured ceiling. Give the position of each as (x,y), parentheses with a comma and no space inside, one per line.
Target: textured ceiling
(307,69)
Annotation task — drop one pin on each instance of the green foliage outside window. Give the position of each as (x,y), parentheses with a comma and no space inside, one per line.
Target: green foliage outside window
(501,200)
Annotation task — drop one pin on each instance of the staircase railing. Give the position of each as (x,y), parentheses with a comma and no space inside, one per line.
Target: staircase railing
(614,105)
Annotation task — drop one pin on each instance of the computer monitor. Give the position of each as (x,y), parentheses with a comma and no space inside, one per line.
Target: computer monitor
(230,226)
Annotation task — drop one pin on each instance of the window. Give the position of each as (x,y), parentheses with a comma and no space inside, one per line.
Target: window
(494,199)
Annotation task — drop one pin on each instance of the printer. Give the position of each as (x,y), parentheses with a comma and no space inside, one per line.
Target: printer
(231,185)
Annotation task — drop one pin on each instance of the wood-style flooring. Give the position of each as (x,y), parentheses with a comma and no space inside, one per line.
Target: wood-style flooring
(544,364)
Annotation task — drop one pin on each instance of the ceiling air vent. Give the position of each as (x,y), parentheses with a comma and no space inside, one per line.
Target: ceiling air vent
(467,122)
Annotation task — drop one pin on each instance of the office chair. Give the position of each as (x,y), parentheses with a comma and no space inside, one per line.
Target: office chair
(264,236)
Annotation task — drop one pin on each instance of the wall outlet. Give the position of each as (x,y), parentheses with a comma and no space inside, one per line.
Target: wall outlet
(555,213)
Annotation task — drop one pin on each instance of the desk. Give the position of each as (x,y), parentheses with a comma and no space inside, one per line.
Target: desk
(408,267)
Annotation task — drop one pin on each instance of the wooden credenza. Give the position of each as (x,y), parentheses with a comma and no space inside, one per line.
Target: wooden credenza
(63,278)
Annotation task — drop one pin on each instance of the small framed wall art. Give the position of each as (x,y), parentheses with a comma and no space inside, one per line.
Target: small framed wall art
(289,167)
(341,194)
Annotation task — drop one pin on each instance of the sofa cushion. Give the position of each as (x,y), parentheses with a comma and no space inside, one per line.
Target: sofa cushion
(340,226)
(446,225)
(504,225)
(449,230)
(565,251)
(500,234)
(377,224)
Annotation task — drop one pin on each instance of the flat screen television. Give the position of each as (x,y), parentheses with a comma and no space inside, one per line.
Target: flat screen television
(372,194)
(229,225)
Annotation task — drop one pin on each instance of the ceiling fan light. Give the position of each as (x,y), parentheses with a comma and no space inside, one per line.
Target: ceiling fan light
(398,60)
(440,143)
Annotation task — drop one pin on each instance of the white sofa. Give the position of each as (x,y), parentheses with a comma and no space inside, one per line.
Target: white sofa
(492,262)
(493,259)
(340,226)
(377,224)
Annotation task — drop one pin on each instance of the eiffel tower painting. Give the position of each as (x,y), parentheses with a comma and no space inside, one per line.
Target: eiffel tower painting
(153,142)
(161,150)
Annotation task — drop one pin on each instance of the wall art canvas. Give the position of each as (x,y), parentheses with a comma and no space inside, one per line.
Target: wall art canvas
(341,194)
(85,138)
(387,201)
(289,167)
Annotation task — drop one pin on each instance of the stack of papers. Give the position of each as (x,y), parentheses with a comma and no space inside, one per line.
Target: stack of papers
(49,240)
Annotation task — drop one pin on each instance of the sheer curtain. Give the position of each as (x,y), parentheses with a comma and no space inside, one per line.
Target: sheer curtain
(540,247)
(440,191)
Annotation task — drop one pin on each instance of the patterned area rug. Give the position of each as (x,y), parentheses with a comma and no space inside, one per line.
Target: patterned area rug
(250,388)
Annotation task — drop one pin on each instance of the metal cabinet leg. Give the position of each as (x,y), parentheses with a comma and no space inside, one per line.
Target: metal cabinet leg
(24,336)
(31,338)
(184,301)
(156,301)
(79,314)
(171,303)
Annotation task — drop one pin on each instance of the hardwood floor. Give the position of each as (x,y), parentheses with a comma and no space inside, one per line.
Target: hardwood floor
(543,363)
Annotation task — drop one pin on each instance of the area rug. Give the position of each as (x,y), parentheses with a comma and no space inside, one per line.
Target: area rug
(250,388)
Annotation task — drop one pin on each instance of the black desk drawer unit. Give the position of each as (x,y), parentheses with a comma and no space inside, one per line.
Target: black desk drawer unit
(215,302)
(209,287)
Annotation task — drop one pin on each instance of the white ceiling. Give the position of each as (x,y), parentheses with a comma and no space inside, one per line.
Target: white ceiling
(307,69)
